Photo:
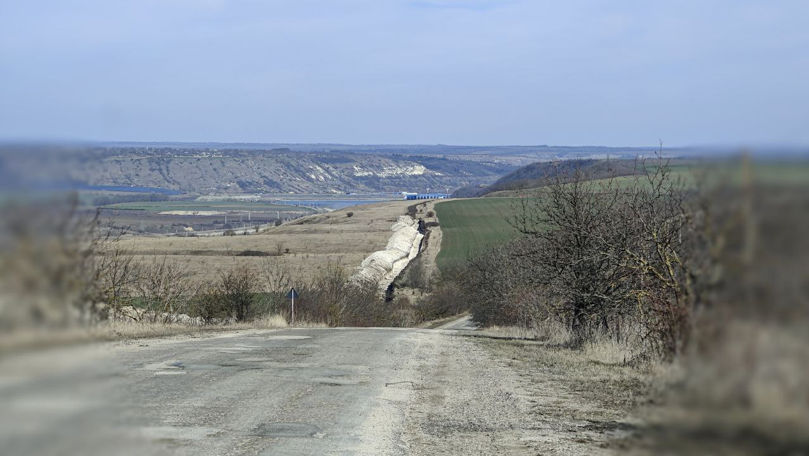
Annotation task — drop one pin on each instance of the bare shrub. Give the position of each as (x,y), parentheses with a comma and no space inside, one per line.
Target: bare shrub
(112,273)
(332,299)
(447,298)
(744,383)
(208,304)
(607,257)
(275,280)
(237,289)
(164,288)
(579,250)
(59,266)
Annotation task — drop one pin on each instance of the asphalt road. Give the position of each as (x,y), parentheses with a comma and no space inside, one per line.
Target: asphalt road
(284,392)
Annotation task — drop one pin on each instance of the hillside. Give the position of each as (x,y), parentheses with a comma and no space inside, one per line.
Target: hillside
(209,171)
(539,174)
(277,168)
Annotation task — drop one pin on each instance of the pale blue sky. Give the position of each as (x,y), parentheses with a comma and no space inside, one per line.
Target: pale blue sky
(425,71)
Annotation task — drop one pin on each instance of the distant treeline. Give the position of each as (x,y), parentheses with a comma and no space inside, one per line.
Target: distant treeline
(129,198)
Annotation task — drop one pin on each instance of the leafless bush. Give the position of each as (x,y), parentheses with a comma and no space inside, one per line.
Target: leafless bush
(447,298)
(238,287)
(613,257)
(579,250)
(332,299)
(209,304)
(163,288)
(59,266)
(744,382)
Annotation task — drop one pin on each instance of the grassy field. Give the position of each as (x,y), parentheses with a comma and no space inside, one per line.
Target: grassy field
(470,226)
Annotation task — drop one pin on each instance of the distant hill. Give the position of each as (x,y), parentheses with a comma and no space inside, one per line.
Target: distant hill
(540,174)
(214,168)
(234,171)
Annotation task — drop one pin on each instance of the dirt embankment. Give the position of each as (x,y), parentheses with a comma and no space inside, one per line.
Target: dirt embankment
(432,244)
(383,266)
(411,250)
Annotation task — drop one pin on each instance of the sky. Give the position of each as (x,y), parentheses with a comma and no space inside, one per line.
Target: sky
(612,72)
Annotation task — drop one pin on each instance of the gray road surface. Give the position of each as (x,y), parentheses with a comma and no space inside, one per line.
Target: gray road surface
(284,392)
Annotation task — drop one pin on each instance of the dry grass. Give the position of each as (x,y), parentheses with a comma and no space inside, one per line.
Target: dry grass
(589,396)
(551,332)
(750,396)
(305,245)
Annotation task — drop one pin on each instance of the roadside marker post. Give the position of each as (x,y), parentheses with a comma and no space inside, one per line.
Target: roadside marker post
(292,295)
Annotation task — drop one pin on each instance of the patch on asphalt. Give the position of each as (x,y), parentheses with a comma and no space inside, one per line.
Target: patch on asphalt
(286,430)
(335,381)
(165,368)
(178,432)
(287,337)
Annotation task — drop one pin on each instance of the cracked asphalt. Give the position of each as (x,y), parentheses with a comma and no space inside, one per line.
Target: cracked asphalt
(293,391)
(336,391)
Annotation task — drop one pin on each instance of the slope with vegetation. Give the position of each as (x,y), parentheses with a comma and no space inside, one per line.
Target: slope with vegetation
(657,271)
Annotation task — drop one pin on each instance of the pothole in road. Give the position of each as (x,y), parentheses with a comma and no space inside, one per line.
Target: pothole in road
(286,430)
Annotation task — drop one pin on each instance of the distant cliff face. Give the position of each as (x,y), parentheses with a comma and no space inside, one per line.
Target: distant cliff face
(207,171)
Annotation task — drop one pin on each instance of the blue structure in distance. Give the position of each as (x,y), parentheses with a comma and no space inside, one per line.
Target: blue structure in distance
(424,196)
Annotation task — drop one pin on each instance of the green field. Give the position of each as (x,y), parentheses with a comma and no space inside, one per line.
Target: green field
(470,226)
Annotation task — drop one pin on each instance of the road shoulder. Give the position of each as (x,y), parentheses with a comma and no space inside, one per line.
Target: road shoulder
(487,396)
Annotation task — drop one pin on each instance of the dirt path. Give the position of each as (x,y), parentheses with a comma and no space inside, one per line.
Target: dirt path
(433,243)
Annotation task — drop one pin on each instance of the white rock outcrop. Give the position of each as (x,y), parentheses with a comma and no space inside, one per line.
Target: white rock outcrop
(382,267)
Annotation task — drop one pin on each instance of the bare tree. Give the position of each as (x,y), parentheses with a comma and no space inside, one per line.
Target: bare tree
(579,249)
(666,255)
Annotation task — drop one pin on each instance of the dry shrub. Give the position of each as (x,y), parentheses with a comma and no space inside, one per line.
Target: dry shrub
(163,288)
(610,258)
(446,299)
(744,386)
(238,287)
(332,299)
(58,266)
(209,304)
(270,321)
